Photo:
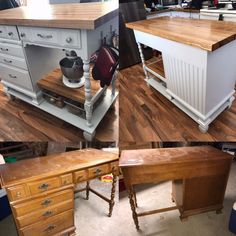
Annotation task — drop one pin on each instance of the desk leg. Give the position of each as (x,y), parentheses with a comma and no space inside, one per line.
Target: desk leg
(88,106)
(112,201)
(142,59)
(135,198)
(87,190)
(132,205)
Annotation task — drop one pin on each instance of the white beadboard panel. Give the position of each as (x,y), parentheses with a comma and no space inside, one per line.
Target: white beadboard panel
(221,75)
(186,80)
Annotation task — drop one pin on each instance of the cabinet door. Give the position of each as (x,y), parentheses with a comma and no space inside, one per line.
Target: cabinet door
(229,17)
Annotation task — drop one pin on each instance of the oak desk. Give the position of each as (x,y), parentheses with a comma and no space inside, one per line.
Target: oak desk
(41,190)
(199,177)
(199,66)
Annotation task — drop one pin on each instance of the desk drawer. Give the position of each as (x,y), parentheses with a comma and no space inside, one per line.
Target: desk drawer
(9,32)
(12,49)
(44,185)
(43,214)
(98,170)
(42,203)
(59,37)
(80,176)
(51,226)
(17,192)
(16,76)
(13,61)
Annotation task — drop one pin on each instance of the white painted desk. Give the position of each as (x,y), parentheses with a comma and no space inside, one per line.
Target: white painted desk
(32,43)
(199,63)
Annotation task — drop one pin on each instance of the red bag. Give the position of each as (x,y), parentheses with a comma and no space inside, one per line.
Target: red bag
(105,65)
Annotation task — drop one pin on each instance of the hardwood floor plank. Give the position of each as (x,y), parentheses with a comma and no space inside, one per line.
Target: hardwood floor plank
(146,115)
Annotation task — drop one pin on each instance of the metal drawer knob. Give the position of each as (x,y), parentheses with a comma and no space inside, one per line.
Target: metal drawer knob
(97,171)
(43,186)
(68,40)
(22,35)
(50,228)
(10,33)
(46,202)
(12,76)
(47,213)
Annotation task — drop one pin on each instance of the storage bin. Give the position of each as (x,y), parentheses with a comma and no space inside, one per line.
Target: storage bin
(232,220)
(5,209)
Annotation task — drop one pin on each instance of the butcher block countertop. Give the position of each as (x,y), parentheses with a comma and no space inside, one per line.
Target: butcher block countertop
(71,16)
(205,34)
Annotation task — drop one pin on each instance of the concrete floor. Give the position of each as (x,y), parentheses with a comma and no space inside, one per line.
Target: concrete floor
(91,216)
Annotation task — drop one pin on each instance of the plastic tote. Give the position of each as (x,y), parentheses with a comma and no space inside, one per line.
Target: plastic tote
(232,220)
(5,209)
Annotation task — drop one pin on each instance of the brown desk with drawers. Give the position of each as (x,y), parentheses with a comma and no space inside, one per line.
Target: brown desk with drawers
(41,190)
(199,177)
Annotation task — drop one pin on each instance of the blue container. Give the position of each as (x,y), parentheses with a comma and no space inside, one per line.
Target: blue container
(232,220)
(5,209)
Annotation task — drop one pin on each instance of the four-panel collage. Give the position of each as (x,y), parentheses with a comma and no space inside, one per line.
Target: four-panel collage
(117,118)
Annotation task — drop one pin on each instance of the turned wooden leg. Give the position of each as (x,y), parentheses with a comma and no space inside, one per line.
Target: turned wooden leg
(135,198)
(88,106)
(143,60)
(87,190)
(112,201)
(132,205)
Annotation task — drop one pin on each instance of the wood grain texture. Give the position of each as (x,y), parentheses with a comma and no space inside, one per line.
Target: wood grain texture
(72,16)
(205,34)
(20,121)
(55,164)
(53,82)
(155,118)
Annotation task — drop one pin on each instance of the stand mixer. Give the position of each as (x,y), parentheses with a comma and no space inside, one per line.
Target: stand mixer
(72,70)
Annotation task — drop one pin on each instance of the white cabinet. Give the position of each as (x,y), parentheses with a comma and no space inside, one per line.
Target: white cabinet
(9,32)
(183,14)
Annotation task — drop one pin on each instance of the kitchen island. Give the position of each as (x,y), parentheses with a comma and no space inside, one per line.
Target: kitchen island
(198,68)
(34,40)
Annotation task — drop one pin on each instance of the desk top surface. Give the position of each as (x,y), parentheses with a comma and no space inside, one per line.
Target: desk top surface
(205,34)
(40,167)
(72,16)
(162,156)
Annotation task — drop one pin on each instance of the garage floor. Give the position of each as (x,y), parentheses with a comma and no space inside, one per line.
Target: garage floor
(91,216)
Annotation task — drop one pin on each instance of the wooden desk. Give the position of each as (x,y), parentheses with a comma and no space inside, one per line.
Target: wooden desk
(41,190)
(199,177)
(198,61)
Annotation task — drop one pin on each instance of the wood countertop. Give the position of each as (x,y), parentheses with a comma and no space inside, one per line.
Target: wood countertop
(160,156)
(205,34)
(55,164)
(71,16)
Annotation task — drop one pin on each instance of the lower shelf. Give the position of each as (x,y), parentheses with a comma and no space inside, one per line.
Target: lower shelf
(63,114)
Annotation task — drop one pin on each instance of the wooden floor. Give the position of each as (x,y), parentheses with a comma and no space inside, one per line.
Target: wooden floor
(20,121)
(146,115)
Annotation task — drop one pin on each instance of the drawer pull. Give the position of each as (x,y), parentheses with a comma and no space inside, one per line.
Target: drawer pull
(4,49)
(68,40)
(46,202)
(10,33)
(44,36)
(50,228)
(47,213)
(18,194)
(12,76)
(0,31)
(97,171)
(43,186)
(7,61)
